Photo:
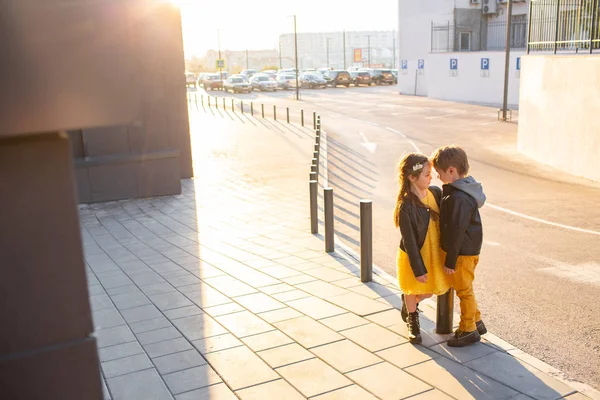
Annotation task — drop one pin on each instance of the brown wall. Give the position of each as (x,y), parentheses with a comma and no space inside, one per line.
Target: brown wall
(151,155)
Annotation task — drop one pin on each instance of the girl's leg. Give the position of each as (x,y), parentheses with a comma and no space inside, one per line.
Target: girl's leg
(421,297)
(411,302)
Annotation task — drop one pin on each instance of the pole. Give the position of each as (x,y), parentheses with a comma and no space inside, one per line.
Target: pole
(252,108)
(594,28)
(220,69)
(280,64)
(296,53)
(507,59)
(247,63)
(369,51)
(328,195)
(327,52)
(314,120)
(344,46)
(556,26)
(444,313)
(302,117)
(314,222)
(394,50)
(287,114)
(529,26)
(366,241)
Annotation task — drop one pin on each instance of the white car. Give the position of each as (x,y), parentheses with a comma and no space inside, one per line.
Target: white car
(236,84)
(263,82)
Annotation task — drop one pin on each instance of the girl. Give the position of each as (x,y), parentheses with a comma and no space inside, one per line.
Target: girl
(420,258)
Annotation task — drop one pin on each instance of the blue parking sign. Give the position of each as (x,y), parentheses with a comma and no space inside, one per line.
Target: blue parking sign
(518,63)
(485,64)
(421,64)
(454,63)
(404,64)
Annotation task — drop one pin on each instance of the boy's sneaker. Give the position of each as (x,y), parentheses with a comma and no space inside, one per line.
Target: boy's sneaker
(460,338)
(481,327)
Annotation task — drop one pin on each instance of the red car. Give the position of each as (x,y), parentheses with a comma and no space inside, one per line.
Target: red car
(212,82)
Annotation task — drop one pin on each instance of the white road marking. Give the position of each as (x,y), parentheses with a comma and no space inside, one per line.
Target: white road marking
(580,273)
(371,146)
(490,243)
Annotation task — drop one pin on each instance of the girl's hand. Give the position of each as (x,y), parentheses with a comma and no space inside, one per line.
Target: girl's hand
(422,278)
(448,271)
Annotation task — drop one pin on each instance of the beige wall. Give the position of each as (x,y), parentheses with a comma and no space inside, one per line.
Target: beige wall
(558,112)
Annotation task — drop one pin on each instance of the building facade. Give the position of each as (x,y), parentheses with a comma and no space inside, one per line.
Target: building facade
(337,50)
(454,49)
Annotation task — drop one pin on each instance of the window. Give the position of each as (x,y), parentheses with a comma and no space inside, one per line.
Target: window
(518,31)
(464,41)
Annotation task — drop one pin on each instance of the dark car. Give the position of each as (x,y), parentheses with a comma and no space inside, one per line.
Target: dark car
(336,77)
(361,78)
(381,76)
(212,81)
(312,80)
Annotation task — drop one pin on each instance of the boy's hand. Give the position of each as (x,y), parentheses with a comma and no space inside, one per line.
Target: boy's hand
(422,278)
(448,271)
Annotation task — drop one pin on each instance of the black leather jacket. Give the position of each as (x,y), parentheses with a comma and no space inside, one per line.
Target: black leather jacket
(461,233)
(414,222)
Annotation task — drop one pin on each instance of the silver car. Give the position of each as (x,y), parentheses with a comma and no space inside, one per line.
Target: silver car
(263,82)
(236,84)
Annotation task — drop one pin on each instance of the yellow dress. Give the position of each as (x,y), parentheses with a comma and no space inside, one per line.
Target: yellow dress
(433,258)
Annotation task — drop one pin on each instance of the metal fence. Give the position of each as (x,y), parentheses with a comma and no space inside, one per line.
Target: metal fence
(488,36)
(564,26)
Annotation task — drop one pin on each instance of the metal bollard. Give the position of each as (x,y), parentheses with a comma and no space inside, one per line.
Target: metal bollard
(274,112)
(318,139)
(216,103)
(208,99)
(232,105)
(313,176)
(252,108)
(314,221)
(316,159)
(328,195)
(302,117)
(366,241)
(313,167)
(314,120)
(224,106)
(262,109)
(242,105)
(202,99)
(444,318)
(316,148)
(287,114)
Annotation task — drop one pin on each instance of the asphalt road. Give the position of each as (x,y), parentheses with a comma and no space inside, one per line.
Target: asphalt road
(538,281)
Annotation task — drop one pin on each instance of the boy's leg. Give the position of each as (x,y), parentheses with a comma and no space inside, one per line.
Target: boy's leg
(462,281)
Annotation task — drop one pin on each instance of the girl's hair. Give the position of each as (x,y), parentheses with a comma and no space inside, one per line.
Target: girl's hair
(411,165)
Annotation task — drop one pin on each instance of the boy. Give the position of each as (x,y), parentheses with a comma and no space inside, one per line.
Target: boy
(461,236)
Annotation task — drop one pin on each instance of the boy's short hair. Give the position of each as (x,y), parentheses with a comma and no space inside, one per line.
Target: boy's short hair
(451,156)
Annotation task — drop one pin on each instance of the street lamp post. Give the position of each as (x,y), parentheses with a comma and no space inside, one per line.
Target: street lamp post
(507,59)
(280,65)
(394,52)
(220,68)
(344,46)
(247,63)
(369,51)
(296,55)
(327,53)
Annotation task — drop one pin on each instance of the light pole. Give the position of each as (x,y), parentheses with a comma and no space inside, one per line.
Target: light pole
(394,42)
(344,46)
(507,59)
(327,53)
(280,65)
(247,63)
(219,43)
(296,55)
(369,51)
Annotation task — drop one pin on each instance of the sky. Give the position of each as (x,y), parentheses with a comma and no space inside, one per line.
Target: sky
(257,24)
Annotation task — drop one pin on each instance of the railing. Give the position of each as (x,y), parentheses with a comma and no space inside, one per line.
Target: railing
(488,36)
(564,26)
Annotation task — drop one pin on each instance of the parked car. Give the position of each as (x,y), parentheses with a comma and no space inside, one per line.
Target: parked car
(212,82)
(285,81)
(263,82)
(271,72)
(395,73)
(190,79)
(360,78)
(380,76)
(312,80)
(249,73)
(236,84)
(336,77)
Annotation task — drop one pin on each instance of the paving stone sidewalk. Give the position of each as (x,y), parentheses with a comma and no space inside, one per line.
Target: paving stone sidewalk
(222,293)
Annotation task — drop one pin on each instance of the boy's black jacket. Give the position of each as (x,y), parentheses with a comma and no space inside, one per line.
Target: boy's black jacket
(461,232)
(414,221)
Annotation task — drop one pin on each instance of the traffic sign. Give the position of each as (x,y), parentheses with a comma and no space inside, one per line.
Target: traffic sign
(454,63)
(518,63)
(404,64)
(220,63)
(421,64)
(485,64)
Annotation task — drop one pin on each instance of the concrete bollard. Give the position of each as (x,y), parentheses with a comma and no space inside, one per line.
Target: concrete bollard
(274,112)
(302,117)
(366,241)
(328,195)
(262,109)
(444,318)
(314,222)
(287,114)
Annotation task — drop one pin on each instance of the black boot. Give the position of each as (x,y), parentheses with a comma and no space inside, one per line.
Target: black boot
(481,327)
(414,328)
(460,338)
(404,310)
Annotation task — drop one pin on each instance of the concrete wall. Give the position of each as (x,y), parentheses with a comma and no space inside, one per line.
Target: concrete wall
(149,156)
(469,85)
(558,122)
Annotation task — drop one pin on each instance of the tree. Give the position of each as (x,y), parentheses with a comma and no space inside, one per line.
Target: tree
(194,65)
(270,67)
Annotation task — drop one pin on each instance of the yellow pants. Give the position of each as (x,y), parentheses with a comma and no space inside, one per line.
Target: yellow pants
(462,282)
